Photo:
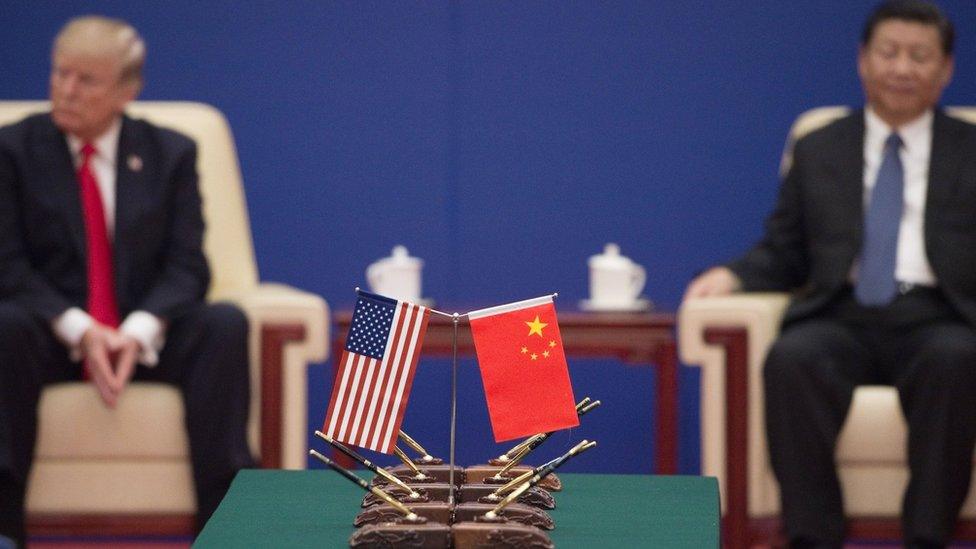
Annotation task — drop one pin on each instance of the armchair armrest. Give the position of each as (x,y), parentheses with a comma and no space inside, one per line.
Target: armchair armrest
(289,329)
(758,313)
(728,337)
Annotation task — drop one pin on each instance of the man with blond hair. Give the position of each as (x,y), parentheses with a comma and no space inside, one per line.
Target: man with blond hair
(102,272)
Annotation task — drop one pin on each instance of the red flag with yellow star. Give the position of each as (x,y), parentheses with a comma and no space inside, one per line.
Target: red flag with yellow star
(523,368)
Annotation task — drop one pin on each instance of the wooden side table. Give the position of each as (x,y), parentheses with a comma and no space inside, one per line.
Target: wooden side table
(641,339)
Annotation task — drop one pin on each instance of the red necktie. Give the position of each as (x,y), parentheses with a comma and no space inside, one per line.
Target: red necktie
(101,283)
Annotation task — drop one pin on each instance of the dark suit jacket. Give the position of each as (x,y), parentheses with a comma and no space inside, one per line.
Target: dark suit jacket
(158,257)
(815,231)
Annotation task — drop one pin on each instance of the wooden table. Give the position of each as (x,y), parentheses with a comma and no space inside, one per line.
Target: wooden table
(642,339)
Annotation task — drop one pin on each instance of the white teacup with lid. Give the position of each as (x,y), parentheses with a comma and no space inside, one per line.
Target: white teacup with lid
(615,282)
(396,276)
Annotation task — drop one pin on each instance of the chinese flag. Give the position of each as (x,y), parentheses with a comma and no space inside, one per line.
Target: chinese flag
(523,368)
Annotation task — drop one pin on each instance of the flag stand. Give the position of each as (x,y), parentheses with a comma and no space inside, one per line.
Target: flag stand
(454,344)
(455,318)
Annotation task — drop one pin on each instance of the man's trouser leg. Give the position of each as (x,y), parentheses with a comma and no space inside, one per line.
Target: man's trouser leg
(937,390)
(29,358)
(206,356)
(809,376)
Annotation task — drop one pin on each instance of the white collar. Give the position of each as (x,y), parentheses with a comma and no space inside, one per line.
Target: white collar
(916,135)
(106,145)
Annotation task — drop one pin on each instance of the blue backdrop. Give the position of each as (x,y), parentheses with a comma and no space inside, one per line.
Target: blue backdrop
(502,142)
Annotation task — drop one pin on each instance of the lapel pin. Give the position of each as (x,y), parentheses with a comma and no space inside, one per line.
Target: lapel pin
(134,162)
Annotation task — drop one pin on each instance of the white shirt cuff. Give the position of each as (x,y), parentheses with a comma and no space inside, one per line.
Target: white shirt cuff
(70,327)
(149,331)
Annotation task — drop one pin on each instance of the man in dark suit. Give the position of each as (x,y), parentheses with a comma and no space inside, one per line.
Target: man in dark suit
(874,231)
(102,272)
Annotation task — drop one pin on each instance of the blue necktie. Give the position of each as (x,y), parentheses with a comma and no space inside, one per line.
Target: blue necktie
(876,280)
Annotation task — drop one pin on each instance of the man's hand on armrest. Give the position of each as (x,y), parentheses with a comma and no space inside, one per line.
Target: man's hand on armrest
(717,281)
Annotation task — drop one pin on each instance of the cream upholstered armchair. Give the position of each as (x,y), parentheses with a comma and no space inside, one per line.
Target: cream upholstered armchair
(127,470)
(728,337)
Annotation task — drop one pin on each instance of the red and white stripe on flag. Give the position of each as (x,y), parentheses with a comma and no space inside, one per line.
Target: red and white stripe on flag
(372,385)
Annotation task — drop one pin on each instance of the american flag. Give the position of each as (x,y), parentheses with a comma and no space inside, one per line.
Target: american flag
(376,370)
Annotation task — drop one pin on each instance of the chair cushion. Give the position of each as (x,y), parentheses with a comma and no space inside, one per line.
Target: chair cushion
(871,455)
(147,423)
(875,431)
(111,486)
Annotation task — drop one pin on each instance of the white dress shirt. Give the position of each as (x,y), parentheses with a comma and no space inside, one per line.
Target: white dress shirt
(71,325)
(912,263)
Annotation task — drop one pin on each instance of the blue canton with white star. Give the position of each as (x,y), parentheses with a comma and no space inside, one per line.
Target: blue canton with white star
(370,327)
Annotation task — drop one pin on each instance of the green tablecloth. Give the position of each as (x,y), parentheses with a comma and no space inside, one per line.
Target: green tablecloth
(316,508)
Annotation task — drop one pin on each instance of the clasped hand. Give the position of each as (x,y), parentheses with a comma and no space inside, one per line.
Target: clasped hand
(110,360)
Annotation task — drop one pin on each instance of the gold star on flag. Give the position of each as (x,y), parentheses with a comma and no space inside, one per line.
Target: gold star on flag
(552,343)
(545,354)
(535,327)
(525,350)
(534,356)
